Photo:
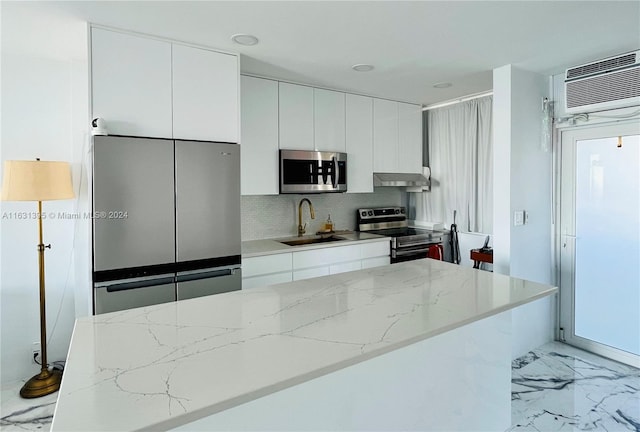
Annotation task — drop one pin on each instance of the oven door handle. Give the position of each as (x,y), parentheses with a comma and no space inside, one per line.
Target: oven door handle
(401,252)
(431,242)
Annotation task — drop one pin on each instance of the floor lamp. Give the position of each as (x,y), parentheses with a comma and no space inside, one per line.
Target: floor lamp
(38,181)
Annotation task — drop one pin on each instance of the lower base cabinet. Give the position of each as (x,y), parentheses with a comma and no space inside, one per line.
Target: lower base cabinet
(310,273)
(264,280)
(292,266)
(375,262)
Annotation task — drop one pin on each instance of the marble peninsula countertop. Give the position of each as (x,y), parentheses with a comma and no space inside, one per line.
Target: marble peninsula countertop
(252,248)
(162,366)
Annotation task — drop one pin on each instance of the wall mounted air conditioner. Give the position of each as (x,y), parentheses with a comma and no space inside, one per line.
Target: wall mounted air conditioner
(605,84)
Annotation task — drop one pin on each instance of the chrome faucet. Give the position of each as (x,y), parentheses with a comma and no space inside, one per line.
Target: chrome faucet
(301,228)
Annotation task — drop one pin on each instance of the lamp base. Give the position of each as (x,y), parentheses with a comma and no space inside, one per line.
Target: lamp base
(46,382)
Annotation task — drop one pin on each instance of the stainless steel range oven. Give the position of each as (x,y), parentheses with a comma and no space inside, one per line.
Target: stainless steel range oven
(407,243)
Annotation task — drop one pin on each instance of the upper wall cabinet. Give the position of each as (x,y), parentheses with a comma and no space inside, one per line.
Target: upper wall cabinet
(296,117)
(409,138)
(329,120)
(377,135)
(259,146)
(205,94)
(359,146)
(131,84)
(311,118)
(153,88)
(397,137)
(385,136)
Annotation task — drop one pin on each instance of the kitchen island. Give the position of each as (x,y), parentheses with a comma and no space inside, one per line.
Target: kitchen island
(417,345)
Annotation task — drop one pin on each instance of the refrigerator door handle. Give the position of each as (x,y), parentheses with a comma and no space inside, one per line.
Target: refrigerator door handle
(140,284)
(205,275)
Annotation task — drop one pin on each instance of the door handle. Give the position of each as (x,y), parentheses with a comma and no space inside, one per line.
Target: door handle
(336,173)
(140,284)
(205,275)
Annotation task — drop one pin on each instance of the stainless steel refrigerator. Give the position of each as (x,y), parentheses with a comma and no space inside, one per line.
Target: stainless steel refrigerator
(166,221)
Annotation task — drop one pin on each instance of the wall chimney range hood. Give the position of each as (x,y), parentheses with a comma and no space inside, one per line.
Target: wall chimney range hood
(400,179)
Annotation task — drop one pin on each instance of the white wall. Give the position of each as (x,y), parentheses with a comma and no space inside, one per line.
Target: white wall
(502,169)
(44,105)
(522,181)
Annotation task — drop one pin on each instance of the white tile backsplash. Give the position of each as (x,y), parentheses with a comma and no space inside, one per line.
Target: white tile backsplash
(277,215)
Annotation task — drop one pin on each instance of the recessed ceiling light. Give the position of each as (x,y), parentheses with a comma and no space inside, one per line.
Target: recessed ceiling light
(244,39)
(442,85)
(362,67)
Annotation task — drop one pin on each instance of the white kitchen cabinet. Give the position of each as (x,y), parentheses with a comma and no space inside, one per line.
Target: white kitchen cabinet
(296,117)
(266,270)
(205,94)
(270,279)
(339,259)
(131,84)
(265,264)
(359,143)
(329,120)
(153,88)
(310,273)
(345,267)
(385,136)
(375,262)
(409,138)
(326,256)
(259,136)
(375,249)
(397,137)
(283,267)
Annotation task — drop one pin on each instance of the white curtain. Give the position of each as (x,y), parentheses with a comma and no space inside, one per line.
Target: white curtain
(460,158)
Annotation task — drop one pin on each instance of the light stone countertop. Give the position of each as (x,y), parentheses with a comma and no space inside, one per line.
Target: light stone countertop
(162,366)
(253,248)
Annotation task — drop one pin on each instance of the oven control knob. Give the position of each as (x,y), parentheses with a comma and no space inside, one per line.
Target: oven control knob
(402,211)
(370,212)
(363,214)
(397,211)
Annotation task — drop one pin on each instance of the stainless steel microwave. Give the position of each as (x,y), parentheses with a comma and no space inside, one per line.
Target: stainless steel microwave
(303,171)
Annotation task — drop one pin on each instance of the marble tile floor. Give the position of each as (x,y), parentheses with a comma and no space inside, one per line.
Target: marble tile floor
(554,388)
(560,388)
(17,414)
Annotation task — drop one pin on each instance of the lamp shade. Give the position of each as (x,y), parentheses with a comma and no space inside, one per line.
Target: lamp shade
(36,181)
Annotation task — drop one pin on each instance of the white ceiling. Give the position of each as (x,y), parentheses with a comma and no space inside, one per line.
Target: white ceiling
(412,45)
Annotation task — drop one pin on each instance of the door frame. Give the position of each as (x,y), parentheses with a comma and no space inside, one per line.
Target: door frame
(566,234)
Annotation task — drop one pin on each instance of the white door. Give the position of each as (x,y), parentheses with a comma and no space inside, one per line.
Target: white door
(600,240)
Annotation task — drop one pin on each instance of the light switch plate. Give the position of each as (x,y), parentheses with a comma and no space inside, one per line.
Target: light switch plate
(518,218)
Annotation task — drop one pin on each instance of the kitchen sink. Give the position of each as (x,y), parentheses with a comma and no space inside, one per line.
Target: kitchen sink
(301,241)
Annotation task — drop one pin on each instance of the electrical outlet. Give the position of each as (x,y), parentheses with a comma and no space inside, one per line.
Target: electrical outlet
(36,353)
